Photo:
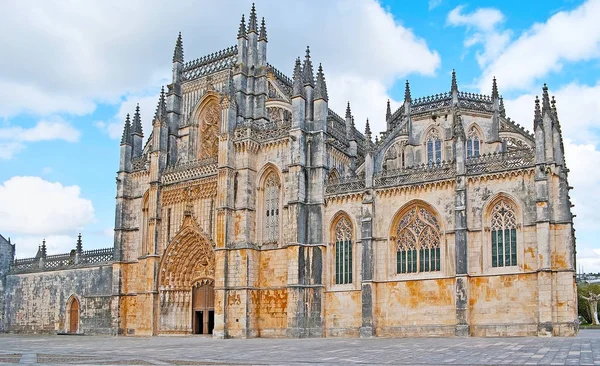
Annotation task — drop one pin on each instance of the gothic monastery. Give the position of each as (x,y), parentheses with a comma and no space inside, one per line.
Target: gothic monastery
(253,210)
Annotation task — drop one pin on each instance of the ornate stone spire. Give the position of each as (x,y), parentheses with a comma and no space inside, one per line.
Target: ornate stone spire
(348,111)
(298,89)
(545,100)
(407,97)
(368,132)
(126,138)
(43,251)
(137,122)
(178,53)
(79,247)
(554,111)
(495,94)
(388,111)
(161,108)
(242,29)
(252,22)
(454,86)
(537,117)
(263,31)
(321,86)
(502,110)
(307,70)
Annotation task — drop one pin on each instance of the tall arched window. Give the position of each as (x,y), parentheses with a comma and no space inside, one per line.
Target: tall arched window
(417,241)
(343,251)
(271,219)
(472,143)
(504,235)
(434,147)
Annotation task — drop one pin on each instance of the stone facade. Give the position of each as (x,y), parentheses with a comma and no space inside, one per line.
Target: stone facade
(254,210)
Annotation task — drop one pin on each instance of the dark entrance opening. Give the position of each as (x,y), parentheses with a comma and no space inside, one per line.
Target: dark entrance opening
(203,304)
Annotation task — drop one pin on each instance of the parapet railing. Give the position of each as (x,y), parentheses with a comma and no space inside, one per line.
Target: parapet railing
(74,259)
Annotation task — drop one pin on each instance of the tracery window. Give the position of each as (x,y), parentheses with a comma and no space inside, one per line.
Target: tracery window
(434,148)
(504,235)
(417,242)
(472,143)
(271,219)
(343,251)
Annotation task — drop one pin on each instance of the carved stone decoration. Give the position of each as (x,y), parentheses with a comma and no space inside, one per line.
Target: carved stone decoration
(189,257)
(209,131)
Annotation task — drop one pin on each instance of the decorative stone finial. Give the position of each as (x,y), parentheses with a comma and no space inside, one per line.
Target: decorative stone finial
(368,131)
(297,86)
(495,94)
(252,22)
(242,29)
(126,138)
(407,97)
(502,110)
(137,122)
(79,246)
(545,99)
(321,86)
(263,31)
(307,70)
(348,111)
(388,111)
(537,118)
(454,86)
(178,53)
(44,248)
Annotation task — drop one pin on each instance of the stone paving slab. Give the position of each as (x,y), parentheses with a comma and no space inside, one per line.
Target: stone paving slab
(197,350)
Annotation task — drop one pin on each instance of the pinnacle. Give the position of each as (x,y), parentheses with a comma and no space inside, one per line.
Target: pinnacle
(348,111)
(502,110)
(137,122)
(321,86)
(368,130)
(242,29)
(388,112)
(298,89)
(252,23)
(537,119)
(454,84)
(545,98)
(178,53)
(263,31)
(407,97)
(307,70)
(494,89)
(126,138)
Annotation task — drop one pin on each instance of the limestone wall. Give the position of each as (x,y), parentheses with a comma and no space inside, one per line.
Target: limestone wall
(37,302)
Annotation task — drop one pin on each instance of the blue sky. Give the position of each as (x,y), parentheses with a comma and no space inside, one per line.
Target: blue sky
(75,69)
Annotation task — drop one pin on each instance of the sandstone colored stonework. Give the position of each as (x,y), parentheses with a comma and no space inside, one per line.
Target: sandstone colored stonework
(232,206)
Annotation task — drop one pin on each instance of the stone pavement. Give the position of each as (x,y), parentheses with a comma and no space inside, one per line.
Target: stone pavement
(196,350)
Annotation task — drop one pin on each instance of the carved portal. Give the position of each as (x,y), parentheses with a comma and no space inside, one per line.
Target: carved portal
(188,259)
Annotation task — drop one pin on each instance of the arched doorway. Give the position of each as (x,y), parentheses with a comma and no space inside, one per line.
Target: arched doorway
(203,307)
(186,285)
(73,309)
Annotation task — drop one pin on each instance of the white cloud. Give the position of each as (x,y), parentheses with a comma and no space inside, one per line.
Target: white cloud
(34,206)
(482,29)
(13,138)
(114,126)
(27,246)
(565,37)
(434,4)
(100,51)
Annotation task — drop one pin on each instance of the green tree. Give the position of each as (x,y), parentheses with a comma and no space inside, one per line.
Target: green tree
(583,293)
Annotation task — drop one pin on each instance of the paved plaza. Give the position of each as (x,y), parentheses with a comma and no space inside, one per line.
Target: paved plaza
(197,350)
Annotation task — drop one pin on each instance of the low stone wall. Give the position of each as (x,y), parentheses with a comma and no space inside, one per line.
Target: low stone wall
(38,302)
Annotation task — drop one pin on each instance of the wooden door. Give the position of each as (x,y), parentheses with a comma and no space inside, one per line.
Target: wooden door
(74,316)
(203,306)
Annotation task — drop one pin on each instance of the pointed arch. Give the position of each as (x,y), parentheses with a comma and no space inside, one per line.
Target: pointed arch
(270,198)
(417,235)
(333,176)
(207,118)
(342,238)
(503,220)
(73,309)
(394,157)
(474,139)
(432,140)
(189,257)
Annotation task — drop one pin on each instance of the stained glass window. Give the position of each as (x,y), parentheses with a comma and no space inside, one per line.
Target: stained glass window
(472,143)
(434,148)
(343,251)
(504,235)
(417,242)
